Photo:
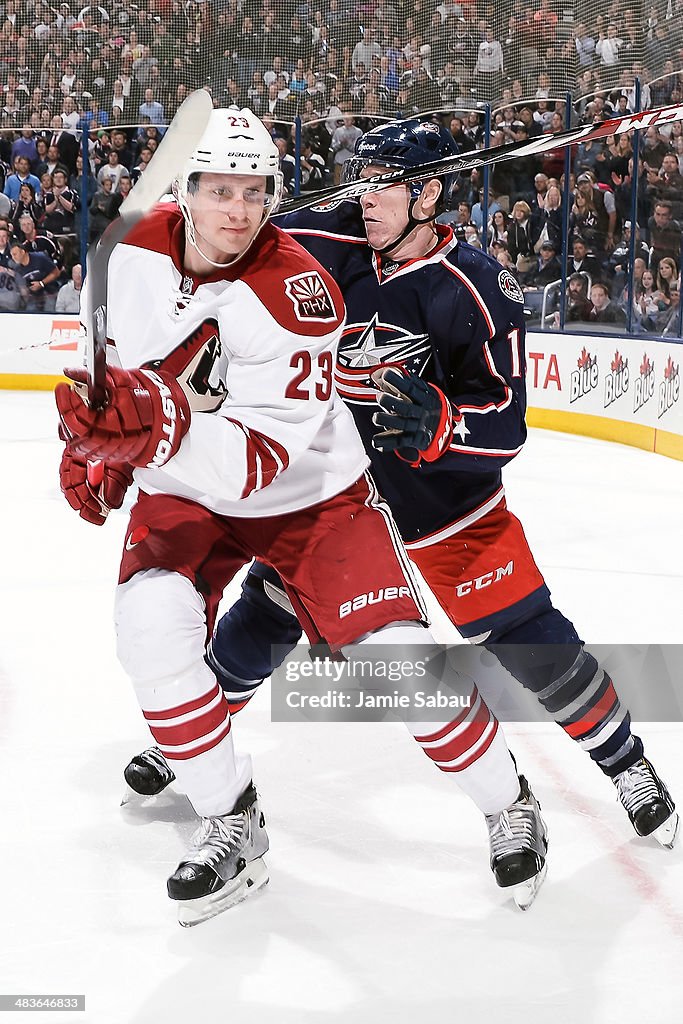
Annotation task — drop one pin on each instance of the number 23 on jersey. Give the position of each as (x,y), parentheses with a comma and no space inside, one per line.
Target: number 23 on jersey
(314,378)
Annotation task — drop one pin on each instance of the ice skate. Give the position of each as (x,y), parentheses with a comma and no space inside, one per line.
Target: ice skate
(225,863)
(148,774)
(648,803)
(518,839)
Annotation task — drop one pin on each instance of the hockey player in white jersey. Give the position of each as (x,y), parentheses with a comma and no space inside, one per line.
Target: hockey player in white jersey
(224,409)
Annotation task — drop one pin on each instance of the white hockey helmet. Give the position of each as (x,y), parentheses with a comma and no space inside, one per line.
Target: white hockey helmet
(234,142)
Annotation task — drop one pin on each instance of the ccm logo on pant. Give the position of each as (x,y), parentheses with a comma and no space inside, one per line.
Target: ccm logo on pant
(363,600)
(479,582)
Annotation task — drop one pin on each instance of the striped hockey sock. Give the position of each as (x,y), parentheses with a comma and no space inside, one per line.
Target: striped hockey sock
(585,704)
(472,747)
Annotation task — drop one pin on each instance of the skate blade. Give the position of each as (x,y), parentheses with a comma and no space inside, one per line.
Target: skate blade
(135,801)
(667,832)
(131,798)
(525,893)
(251,878)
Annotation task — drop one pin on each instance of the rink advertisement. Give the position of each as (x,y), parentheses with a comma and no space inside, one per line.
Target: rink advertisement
(616,388)
(35,348)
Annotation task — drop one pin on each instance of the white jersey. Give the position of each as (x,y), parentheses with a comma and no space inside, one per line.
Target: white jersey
(255,347)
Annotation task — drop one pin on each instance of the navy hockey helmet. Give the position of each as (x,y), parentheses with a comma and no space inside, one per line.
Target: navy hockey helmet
(405,144)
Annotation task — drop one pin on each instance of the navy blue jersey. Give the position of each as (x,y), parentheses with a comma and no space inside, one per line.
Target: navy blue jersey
(455,317)
(39,266)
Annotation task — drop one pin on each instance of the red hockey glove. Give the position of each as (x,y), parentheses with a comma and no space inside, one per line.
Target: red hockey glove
(416,417)
(93,488)
(145,418)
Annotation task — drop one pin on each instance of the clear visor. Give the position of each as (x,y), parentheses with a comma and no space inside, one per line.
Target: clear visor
(354,167)
(221,189)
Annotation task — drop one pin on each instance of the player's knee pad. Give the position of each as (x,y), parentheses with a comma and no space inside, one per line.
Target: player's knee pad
(160,625)
(257,633)
(546,654)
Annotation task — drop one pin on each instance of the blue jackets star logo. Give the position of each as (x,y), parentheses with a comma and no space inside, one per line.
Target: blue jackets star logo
(364,347)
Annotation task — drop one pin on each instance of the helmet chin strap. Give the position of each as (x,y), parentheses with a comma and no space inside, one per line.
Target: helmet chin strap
(192,239)
(191,233)
(195,245)
(412,223)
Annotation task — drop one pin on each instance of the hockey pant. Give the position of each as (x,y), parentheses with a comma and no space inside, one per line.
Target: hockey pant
(178,557)
(258,632)
(485,578)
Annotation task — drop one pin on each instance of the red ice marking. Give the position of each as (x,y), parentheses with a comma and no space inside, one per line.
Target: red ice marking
(646,886)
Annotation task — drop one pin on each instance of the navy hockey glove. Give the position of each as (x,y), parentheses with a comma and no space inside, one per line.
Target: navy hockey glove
(416,417)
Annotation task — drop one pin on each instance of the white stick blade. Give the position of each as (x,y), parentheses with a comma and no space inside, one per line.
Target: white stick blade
(182,135)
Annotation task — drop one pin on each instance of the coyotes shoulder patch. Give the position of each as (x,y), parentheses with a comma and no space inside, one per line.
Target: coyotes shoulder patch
(310,298)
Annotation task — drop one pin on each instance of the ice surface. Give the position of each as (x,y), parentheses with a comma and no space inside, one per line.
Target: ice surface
(381,906)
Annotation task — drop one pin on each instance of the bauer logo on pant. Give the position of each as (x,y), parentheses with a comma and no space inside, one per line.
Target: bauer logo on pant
(310,298)
(373,597)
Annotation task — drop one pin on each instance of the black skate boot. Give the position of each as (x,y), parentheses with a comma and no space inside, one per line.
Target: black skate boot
(518,840)
(225,863)
(148,774)
(648,803)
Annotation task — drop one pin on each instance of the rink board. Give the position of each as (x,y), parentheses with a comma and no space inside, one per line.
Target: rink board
(612,388)
(616,389)
(35,348)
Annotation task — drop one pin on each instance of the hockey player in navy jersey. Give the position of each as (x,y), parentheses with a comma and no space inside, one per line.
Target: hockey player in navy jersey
(431,363)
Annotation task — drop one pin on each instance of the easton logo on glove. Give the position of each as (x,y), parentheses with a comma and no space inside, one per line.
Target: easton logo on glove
(143,422)
(416,417)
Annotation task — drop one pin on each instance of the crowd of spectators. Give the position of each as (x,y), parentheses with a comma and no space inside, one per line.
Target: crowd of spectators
(524,229)
(119,69)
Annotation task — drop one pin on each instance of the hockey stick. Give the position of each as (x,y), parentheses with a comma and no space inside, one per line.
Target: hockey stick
(175,148)
(485,157)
